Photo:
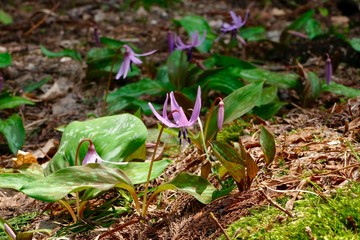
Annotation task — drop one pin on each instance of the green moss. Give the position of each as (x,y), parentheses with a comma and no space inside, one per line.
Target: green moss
(232,132)
(337,217)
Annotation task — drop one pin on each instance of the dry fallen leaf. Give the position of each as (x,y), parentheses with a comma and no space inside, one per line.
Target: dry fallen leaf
(24,158)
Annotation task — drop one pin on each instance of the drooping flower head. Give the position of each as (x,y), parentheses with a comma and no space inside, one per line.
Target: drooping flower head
(130,57)
(328,70)
(234,27)
(194,42)
(179,118)
(92,156)
(220,116)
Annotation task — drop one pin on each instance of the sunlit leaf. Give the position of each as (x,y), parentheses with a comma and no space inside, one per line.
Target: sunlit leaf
(355,43)
(58,184)
(7,101)
(253,33)
(5,59)
(267,142)
(13,131)
(115,138)
(64,53)
(5,18)
(313,28)
(15,180)
(194,185)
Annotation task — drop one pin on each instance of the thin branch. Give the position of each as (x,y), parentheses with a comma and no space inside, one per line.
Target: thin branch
(218,223)
(276,204)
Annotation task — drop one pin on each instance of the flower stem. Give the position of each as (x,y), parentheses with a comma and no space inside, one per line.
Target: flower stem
(203,139)
(144,208)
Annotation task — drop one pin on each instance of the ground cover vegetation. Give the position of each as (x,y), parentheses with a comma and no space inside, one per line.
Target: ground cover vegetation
(179,120)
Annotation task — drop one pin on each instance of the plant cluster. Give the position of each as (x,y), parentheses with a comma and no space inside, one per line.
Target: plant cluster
(95,156)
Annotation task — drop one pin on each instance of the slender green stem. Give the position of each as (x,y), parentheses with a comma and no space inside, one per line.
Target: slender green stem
(150,169)
(203,139)
(109,81)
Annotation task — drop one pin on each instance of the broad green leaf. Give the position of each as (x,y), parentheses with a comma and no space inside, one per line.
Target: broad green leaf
(269,110)
(64,53)
(15,180)
(137,171)
(229,61)
(130,103)
(5,59)
(60,183)
(313,28)
(251,167)
(224,80)
(355,43)
(5,18)
(143,87)
(33,86)
(267,142)
(230,159)
(340,89)
(115,138)
(236,104)
(297,25)
(253,33)
(194,185)
(112,43)
(269,95)
(280,80)
(195,23)
(7,101)
(13,131)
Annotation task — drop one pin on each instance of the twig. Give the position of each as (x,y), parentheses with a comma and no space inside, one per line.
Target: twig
(118,228)
(309,233)
(218,223)
(276,204)
(41,21)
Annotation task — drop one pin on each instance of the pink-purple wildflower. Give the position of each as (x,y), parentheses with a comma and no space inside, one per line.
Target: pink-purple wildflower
(195,41)
(179,118)
(9,231)
(92,156)
(233,28)
(220,116)
(129,58)
(328,70)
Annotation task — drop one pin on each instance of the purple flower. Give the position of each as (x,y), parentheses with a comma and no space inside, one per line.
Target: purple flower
(195,42)
(92,156)
(328,70)
(9,231)
(233,28)
(220,117)
(179,118)
(1,82)
(129,58)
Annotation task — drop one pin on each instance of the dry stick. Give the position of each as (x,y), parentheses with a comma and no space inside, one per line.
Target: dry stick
(276,204)
(41,21)
(135,220)
(218,223)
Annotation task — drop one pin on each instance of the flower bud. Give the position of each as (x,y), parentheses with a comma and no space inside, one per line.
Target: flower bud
(220,117)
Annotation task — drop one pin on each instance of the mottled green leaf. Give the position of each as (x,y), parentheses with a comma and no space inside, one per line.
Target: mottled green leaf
(58,184)
(194,185)
(267,142)
(115,138)
(340,89)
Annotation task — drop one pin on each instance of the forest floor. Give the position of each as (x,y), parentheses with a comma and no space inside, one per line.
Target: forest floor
(316,146)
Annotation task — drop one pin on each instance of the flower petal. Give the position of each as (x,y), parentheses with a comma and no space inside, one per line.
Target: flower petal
(92,156)
(135,60)
(165,121)
(124,68)
(197,107)
(144,54)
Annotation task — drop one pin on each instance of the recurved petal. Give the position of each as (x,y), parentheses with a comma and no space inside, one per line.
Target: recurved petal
(165,121)
(197,107)
(124,68)
(145,54)
(135,60)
